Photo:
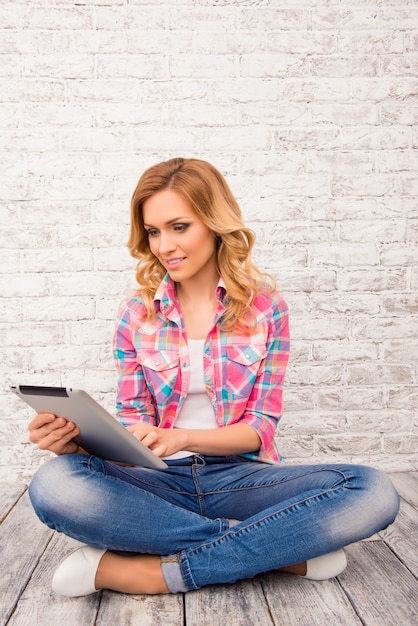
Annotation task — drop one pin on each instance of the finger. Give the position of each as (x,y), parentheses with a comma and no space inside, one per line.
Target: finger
(40,420)
(49,438)
(149,439)
(160,450)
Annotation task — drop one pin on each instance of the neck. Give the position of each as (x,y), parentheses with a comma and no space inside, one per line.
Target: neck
(197,292)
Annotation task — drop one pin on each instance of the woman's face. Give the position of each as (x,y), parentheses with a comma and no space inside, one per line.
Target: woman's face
(177,237)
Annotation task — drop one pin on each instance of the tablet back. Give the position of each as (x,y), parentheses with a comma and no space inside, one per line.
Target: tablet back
(100,433)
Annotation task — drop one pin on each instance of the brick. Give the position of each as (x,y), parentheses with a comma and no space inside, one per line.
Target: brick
(315,375)
(363,185)
(53,260)
(241,90)
(58,66)
(399,113)
(21,286)
(366,88)
(9,261)
(345,303)
(91,332)
(233,42)
(401,444)
(95,140)
(371,42)
(306,42)
(310,185)
(207,66)
(286,114)
(313,424)
(403,398)
(29,335)
(276,19)
(344,114)
(400,65)
(398,254)
(56,115)
(342,256)
(11,15)
(373,281)
(65,309)
(370,138)
(400,17)
(401,304)
(273,65)
(399,350)
(53,17)
(319,327)
(346,444)
(345,351)
(113,18)
(345,18)
(380,421)
(307,280)
(378,373)
(57,212)
(207,19)
(394,327)
(307,89)
(103,90)
(61,357)
(372,231)
(338,66)
(371,398)
(30,90)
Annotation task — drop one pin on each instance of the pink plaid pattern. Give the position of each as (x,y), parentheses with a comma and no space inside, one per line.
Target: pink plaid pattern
(243,371)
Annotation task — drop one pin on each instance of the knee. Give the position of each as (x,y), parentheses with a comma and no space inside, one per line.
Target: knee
(382,497)
(48,490)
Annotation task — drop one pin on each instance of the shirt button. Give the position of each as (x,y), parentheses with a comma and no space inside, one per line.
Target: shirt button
(157,362)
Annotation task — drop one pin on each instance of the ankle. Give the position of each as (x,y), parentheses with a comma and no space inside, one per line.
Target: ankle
(299,568)
(136,574)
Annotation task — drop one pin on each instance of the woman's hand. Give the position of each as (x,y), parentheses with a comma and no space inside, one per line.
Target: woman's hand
(54,433)
(161,441)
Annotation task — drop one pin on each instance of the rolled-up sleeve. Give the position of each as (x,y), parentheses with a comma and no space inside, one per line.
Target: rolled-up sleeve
(133,401)
(265,403)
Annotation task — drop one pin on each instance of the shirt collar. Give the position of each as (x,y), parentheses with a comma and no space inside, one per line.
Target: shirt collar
(165,296)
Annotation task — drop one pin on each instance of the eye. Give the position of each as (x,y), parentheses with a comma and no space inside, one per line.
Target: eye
(180,228)
(152,232)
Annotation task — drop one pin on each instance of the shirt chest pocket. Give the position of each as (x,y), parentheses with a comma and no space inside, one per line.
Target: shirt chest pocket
(160,370)
(241,368)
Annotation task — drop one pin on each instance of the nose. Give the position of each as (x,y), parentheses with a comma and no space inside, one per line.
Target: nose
(166,243)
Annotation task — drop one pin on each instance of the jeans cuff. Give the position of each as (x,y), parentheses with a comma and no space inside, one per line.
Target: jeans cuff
(172,573)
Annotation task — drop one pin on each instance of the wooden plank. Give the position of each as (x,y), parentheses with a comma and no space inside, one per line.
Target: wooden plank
(40,605)
(382,591)
(241,604)
(294,601)
(9,494)
(402,535)
(407,486)
(118,608)
(22,541)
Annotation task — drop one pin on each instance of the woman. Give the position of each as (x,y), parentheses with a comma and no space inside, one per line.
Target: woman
(201,352)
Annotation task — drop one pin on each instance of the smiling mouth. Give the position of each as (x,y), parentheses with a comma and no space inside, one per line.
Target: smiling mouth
(173,262)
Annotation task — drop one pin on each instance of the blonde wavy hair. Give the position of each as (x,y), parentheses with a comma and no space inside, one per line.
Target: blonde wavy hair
(205,189)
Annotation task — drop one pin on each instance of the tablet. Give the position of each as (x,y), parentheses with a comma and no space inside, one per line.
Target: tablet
(100,433)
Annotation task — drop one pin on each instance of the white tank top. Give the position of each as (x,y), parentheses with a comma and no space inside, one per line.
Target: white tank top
(197,411)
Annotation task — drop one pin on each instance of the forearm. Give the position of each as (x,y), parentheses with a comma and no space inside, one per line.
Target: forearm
(229,440)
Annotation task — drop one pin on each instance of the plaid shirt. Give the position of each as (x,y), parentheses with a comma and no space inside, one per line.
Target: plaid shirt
(243,370)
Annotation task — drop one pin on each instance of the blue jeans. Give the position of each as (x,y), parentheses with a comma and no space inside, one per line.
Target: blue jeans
(288,513)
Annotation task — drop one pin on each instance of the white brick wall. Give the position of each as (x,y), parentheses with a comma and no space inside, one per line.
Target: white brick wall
(309,108)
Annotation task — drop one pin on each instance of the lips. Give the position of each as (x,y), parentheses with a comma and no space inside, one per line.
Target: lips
(173,262)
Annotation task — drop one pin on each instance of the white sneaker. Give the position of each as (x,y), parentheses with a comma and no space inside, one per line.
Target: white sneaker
(77,573)
(326,566)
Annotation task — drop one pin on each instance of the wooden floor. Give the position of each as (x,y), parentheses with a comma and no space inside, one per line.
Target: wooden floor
(379,586)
